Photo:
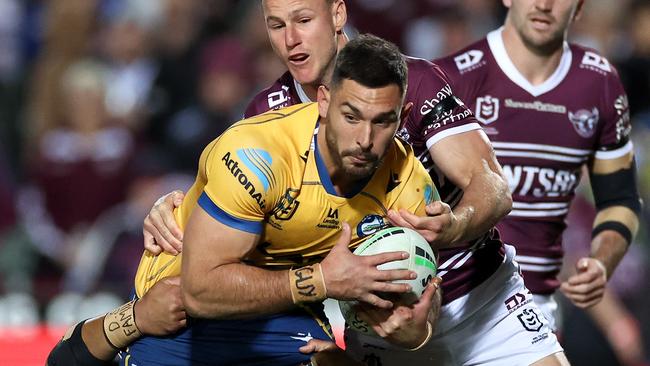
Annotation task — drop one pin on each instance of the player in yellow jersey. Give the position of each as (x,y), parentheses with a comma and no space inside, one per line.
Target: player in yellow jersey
(266,222)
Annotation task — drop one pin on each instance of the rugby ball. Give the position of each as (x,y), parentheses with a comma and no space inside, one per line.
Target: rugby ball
(421,260)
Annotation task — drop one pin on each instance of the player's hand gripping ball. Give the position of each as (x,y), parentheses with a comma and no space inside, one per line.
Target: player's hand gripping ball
(421,260)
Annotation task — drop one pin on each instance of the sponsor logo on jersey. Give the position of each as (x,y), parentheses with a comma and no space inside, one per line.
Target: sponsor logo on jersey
(623,126)
(258,162)
(595,62)
(516,301)
(331,221)
(370,224)
(530,320)
(540,182)
(279,98)
(487,109)
(430,104)
(469,61)
(536,106)
(584,121)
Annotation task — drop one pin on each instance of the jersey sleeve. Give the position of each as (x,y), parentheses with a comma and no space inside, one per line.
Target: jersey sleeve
(437,111)
(614,140)
(243,181)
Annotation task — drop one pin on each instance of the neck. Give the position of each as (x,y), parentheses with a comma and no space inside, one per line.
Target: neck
(312,90)
(534,65)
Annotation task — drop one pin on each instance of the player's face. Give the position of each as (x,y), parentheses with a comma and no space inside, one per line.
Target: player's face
(303,33)
(360,125)
(542,24)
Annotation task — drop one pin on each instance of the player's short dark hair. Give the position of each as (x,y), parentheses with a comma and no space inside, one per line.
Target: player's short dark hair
(372,62)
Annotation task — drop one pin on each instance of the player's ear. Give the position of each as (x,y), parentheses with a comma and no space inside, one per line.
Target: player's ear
(323,98)
(507,3)
(406,109)
(340,15)
(578,11)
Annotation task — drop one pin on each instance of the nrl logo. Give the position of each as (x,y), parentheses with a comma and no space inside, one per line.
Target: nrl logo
(584,121)
(487,109)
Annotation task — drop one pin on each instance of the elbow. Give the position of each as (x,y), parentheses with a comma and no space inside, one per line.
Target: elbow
(504,205)
(192,301)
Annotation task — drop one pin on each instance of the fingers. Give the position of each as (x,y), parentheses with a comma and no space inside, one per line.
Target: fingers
(390,287)
(426,300)
(377,301)
(378,259)
(176,197)
(318,345)
(397,220)
(394,275)
(437,208)
(150,243)
(156,226)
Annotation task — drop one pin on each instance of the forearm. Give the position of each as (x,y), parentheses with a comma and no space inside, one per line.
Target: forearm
(486,199)
(93,336)
(609,246)
(235,291)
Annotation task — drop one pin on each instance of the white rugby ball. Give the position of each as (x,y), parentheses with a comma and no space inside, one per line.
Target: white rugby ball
(421,260)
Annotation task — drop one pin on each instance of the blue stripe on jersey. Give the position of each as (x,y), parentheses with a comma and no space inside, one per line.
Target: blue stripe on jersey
(254,167)
(254,227)
(323,174)
(326,181)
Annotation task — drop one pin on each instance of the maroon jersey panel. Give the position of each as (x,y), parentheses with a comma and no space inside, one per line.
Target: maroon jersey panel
(542,135)
(283,93)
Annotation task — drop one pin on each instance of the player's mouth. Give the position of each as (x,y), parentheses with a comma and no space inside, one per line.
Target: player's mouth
(541,23)
(298,59)
(361,159)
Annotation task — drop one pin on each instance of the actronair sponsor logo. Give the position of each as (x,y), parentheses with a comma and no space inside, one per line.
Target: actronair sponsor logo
(536,106)
(259,163)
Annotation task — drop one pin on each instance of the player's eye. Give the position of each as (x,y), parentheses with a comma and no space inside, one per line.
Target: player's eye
(350,117)
(276,26)
(304,20)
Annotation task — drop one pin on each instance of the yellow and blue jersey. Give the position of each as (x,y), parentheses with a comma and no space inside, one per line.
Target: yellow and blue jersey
(265,175)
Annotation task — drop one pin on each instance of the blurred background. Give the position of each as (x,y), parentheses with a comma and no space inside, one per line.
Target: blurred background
(105,105)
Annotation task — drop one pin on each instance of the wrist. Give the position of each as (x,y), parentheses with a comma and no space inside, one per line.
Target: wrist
(307,284)
(119,326)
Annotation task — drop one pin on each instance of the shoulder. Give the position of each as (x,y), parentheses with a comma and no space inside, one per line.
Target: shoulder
(277,95)
(590,64)
(279,130)
(469,60)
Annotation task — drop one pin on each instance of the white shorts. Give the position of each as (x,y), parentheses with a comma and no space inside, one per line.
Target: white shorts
(497,324)
(550,309)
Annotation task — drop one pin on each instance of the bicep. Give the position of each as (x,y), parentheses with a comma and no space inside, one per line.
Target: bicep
(461,156)
(210,243)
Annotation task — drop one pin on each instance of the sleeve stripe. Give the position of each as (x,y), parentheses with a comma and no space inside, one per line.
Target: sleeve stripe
(615,154)
(254,227)
(452,131)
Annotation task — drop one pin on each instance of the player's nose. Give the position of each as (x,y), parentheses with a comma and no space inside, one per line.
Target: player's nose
(291,37)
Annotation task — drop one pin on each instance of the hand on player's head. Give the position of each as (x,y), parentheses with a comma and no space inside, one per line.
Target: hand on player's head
(351,277)
(160,230)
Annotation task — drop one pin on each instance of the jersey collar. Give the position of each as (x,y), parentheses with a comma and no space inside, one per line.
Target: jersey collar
(495,41)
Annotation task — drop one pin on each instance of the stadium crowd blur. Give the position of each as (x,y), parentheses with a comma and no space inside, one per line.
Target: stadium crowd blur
(106,104)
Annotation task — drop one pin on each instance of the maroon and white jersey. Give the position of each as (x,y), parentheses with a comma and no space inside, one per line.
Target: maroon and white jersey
(542,135)
(436,114)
